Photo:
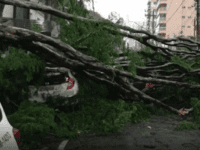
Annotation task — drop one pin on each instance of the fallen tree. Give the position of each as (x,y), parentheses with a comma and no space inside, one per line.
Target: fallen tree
(63,55)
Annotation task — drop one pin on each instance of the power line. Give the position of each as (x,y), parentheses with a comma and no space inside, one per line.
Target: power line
(175,11)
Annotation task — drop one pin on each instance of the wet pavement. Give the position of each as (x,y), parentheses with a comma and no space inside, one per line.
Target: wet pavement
(157,134)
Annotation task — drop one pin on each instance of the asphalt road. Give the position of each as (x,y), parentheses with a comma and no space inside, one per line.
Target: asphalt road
(155,134)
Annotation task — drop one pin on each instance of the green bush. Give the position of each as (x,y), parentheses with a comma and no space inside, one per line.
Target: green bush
(18,69)
(185,126)
(196,111)
(34,121)
(100,115)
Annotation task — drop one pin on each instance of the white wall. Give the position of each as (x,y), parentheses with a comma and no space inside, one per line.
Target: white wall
(34,15)
(8,11)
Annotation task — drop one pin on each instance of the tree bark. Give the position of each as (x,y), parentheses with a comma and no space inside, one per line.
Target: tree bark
(63,55)
(1,9)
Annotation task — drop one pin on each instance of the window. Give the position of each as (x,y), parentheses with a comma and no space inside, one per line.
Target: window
(188,26)
(189,7)
(183,7)
(162,8)
(189,17)
(183,26)
(183,16)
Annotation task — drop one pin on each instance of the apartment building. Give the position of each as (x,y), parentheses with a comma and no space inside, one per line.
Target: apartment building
(173,18)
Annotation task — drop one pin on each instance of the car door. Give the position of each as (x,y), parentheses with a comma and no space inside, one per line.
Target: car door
(7,139)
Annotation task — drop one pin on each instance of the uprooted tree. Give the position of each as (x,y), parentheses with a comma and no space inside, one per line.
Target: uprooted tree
(163,67)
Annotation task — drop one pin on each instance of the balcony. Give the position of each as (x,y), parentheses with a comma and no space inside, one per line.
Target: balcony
(162,35)
(162,20)
(162,28)
(161,2)
(161,10)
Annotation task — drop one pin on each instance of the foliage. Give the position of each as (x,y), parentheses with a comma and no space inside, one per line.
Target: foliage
(135,61)
(33,121)
(147,53)
(100,115)
(99,44)
(182,48)
(36,28)
(185,126)
(96,113)
(182,62)
(196,111)
(181,96)
(17,70)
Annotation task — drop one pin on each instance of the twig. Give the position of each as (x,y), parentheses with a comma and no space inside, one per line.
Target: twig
(12,102)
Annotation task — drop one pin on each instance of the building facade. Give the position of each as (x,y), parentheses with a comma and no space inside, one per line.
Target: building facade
(25,18)
(173,18)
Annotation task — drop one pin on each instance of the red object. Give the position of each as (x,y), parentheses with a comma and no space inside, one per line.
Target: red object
(16,135)
(72,82)
(183,112)
(149,85)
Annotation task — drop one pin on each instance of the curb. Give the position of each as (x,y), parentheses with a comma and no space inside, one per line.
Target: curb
(63,145)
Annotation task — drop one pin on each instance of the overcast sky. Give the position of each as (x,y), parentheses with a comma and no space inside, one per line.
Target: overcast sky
(132,9)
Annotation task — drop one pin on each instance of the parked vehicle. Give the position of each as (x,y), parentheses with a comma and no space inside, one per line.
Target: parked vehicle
(9,136)
(66,89)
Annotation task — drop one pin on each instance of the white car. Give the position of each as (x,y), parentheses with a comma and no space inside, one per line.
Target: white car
(66,89)
(9,136)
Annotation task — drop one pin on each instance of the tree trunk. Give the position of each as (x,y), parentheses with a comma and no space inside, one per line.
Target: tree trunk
(66,56)
(1,9)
